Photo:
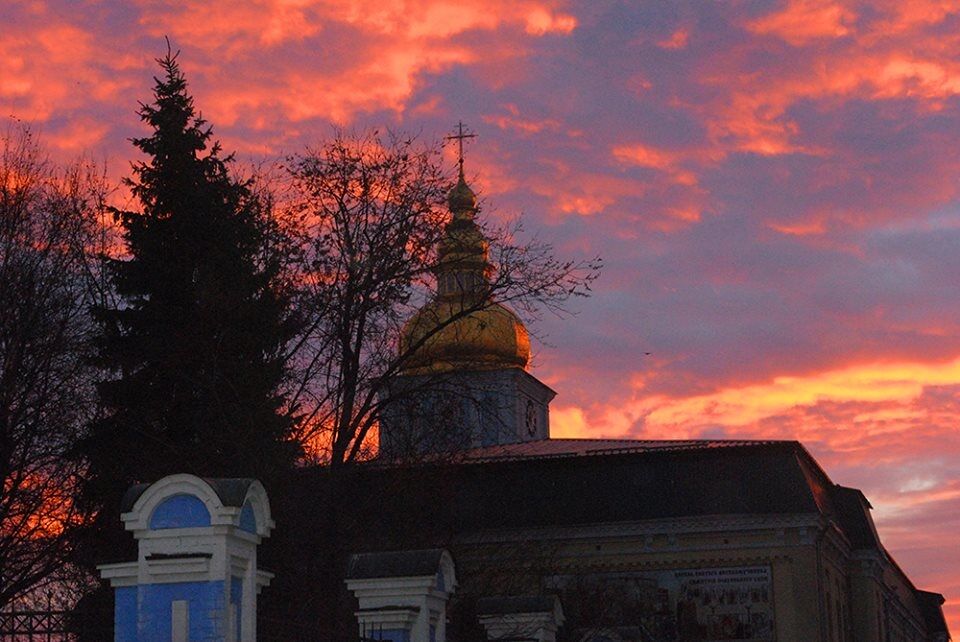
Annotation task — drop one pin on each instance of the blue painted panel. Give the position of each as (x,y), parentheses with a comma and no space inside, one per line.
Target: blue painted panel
(180,511)
(236,598)
(394,635)
(248,521)
(125,614)
(206,606)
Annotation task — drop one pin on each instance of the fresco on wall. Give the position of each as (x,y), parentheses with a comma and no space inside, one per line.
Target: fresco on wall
(682,605)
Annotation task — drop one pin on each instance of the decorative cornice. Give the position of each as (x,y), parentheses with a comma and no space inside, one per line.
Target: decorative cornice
(629,530)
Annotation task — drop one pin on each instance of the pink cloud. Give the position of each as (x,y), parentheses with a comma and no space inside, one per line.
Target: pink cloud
(804,20)
(57,67)
(513,120)
(369,56)
(898,55)
(677,40)
(233,27)
(668,161)
(540,21)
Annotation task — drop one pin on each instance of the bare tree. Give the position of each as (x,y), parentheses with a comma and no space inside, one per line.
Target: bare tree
(373,209)
(48,224)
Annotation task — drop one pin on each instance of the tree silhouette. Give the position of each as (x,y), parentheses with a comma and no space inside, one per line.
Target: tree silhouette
(374,214)
(48,225)
(195,344)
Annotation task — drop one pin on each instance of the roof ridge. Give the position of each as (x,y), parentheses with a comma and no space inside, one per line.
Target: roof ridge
(619,439)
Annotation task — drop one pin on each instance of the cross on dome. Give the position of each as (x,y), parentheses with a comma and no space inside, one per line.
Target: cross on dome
(461,200)
(459,136)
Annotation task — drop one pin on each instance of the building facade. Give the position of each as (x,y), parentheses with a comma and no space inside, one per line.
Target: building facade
(639,540)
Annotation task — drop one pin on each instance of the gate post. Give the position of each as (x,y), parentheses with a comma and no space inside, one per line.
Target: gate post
(535,619)
(402,595)
(196,576)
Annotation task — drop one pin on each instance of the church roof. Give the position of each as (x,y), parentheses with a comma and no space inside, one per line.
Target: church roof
(852,509)
(567,482)
(586,447)
(584,483)
(931,606)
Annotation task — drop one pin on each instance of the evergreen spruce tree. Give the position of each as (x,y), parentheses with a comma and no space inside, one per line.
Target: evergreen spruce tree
(194,345)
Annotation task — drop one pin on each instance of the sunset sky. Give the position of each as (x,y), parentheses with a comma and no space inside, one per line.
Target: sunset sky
(773,186)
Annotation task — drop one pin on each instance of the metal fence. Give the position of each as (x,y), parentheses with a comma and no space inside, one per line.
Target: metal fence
(35,626)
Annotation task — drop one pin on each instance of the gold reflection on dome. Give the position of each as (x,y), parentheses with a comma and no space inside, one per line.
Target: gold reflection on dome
(490,338)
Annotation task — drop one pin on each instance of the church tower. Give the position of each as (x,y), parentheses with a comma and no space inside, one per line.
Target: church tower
(466,384)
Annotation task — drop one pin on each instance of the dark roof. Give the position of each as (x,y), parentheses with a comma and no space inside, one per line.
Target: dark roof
(232,491)
(427,504)
(516,604)
(854,516)
(586,447)
(581,484)
(394,564)
(568,482)
(931,607)
(131,496)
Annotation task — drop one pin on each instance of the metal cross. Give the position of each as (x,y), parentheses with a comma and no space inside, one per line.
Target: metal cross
(459,136)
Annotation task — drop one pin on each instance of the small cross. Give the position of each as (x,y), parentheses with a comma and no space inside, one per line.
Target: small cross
(459,136)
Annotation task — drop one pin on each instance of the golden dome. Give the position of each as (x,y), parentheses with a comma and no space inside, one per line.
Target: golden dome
(492,337)
(489,337)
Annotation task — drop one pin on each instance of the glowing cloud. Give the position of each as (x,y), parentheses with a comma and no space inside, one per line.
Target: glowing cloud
(804,20)
(773,187)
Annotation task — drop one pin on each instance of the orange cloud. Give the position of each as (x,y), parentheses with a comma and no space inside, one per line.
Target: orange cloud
(837,56)
(898,17)
(570,422)
(887,392)
(665,160)
(573,190)
(677,40)
(540,21)
(742,406)
(232,26)
(516,122)
(382,81)
(804,20)
(902,75)
(370,55)
(802,228)
(56,67)
(646,156)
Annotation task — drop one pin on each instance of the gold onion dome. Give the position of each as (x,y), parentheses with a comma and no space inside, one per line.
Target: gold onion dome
(484,339)
(490,337)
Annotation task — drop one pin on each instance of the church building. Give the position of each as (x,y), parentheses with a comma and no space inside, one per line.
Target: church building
(689,540)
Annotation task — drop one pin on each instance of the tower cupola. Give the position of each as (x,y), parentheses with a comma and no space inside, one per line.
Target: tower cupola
(464,382)
(474,332)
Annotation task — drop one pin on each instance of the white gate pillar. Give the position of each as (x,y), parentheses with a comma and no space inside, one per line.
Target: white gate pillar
(196,576)
(403,595)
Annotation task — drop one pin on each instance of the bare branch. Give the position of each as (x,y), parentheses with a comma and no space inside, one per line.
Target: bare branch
(373,210)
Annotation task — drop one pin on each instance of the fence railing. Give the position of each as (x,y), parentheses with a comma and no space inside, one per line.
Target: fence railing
(35,626)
